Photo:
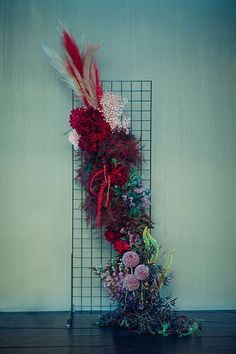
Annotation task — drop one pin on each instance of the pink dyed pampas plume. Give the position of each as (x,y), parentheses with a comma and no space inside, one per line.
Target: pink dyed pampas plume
(79,70)
(99,91)
(73,51)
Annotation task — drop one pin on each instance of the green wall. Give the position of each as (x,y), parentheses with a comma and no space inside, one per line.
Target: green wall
(188,49)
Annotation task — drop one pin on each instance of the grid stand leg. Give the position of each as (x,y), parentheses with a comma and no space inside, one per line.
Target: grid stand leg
(69,322)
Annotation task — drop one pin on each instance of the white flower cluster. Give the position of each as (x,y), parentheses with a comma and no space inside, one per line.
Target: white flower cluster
(112,108)
(73,138)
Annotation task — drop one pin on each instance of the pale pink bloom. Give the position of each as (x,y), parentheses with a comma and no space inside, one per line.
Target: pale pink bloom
(141,272)
(131,283)
(130,259)
(73,138)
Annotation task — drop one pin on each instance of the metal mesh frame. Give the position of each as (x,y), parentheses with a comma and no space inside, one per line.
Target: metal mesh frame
(88,246)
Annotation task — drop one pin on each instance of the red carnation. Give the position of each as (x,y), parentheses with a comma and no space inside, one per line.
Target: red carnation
(121,246)
(74,117)
(112,236)
(91,126)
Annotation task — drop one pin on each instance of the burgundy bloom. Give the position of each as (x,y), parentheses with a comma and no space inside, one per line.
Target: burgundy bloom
(90,124)
(112,236)
(121,246)
(74,117)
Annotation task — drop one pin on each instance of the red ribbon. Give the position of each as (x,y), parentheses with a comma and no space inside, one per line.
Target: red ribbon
(105,184)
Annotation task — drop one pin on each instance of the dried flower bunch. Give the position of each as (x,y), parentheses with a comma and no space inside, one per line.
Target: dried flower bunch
(116,198)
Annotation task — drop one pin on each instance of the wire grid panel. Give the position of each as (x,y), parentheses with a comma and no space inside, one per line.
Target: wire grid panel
(88,246)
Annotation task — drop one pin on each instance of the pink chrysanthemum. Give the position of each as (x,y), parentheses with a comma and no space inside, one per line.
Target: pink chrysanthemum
(130,259)
(141,272)
(130,282)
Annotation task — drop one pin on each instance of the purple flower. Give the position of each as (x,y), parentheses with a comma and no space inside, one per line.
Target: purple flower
(141,272)
(130,259)
(141,306)
(133,238)
(138,190)
(146,201)
(131,283)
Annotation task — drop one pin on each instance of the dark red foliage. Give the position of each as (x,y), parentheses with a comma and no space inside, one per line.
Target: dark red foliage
(119,176)
(116,215)
(121,246)
(121,146)
(112,236)
(119,152)
(91,126)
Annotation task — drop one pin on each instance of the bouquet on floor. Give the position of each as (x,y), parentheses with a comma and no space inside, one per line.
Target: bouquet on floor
(117,201)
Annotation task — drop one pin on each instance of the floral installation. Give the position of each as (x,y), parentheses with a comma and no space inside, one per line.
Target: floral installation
(117,201)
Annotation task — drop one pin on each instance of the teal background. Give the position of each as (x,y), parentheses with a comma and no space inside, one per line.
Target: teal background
(188,49)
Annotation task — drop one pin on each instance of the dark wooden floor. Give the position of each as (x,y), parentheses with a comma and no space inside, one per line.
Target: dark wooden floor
(46,333)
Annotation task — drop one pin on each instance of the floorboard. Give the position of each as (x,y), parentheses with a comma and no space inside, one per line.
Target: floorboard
(46,333)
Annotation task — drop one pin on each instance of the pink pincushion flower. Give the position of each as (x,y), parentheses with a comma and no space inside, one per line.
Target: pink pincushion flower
(130,259)
(131,283)
(141,272)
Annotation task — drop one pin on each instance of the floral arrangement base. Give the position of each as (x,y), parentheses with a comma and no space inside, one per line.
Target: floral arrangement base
(158,319)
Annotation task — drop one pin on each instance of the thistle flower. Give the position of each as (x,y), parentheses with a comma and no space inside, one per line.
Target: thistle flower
(141,272)
(131,283)
(130,259)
